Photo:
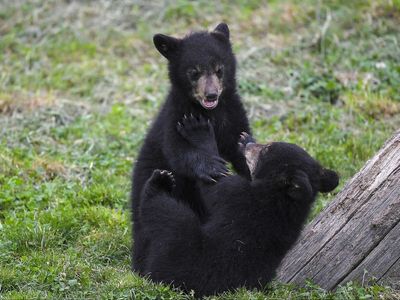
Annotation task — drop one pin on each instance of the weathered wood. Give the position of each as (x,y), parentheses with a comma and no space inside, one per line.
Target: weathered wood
(392,277)
(359,225)
(381,259)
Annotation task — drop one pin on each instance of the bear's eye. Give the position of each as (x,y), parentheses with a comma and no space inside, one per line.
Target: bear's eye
(219,71)
(194,74)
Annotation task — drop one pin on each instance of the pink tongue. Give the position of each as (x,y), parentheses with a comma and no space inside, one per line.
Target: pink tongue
(209,104)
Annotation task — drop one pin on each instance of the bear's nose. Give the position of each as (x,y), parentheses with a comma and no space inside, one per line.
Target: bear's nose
(211,96)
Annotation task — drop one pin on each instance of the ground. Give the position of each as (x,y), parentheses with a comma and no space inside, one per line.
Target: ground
(80,83)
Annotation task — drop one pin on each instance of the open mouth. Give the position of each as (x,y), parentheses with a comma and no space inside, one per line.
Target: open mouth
(209,103)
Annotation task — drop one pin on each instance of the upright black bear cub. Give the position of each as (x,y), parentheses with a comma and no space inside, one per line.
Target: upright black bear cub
(252,223)
(202,71)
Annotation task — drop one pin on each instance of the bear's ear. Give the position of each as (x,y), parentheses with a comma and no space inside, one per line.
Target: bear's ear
(166,45)
(329,180)
(299,186)
(223,29)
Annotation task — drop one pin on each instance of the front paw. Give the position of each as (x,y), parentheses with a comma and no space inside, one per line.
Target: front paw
(160,180)
(245,139)
(210,169)
(195,128)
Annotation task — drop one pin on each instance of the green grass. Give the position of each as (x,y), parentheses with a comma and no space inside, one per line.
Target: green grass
(80,84)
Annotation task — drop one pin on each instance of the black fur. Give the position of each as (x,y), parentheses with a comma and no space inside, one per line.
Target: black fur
(252,224)
(165,148)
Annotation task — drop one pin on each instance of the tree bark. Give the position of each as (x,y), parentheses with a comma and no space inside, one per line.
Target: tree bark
(357,236)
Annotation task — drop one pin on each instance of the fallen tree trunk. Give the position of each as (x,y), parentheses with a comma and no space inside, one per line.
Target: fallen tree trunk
(357,237)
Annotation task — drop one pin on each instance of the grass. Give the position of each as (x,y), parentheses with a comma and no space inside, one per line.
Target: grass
(80,84)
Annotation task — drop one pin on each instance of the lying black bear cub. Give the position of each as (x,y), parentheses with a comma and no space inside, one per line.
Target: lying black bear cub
(252,223)
(202,72)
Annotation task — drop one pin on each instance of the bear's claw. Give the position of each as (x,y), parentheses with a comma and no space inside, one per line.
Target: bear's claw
(195,129)
(245,139)
(162,179)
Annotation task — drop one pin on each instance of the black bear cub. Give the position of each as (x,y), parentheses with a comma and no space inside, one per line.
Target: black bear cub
(202,72)
(252,223)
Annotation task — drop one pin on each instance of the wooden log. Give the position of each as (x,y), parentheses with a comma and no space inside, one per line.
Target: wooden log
(381,262)
(357,236)
(392,277)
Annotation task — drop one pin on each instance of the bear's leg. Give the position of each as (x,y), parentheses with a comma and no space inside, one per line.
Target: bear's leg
(199,133)
(171,229)
(160,184)
(159,209)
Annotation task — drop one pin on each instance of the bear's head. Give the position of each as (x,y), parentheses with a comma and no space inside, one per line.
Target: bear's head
(289,167)
(201,65)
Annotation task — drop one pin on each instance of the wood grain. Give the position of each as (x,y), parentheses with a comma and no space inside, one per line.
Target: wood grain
(361,221)
(380,261)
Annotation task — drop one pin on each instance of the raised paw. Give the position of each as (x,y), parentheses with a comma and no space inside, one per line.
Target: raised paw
(195,128)
(245,139)
(161,180)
